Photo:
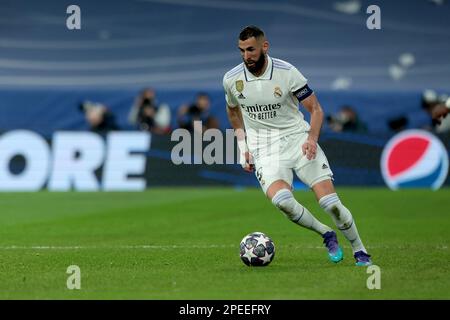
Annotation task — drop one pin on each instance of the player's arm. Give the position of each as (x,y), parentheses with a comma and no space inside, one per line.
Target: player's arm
(235,117)
(313,106)
(305,95)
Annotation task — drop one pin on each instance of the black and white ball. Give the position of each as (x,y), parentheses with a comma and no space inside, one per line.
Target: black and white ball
(257,249)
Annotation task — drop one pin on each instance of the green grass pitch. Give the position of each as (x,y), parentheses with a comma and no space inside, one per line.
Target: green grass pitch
(183,244)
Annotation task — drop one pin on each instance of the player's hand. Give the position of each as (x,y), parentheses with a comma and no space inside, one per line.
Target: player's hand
(248,165)
(245,158)
(309,148)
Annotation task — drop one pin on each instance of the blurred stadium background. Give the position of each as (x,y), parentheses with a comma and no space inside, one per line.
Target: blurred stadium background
(183,244)
(180,48)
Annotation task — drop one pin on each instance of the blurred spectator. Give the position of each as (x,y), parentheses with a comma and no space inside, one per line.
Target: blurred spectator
(346,120)
(398,124)
(148,115)
(197,111)
(440,112)
(99,117)
(437,107)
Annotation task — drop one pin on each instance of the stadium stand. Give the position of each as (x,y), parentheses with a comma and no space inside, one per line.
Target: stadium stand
(180,47)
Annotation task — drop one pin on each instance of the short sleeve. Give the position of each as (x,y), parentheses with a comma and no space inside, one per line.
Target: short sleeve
(296,80)
(229,97)
(298,85)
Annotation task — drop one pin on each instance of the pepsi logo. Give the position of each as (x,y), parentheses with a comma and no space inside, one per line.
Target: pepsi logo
(414,159)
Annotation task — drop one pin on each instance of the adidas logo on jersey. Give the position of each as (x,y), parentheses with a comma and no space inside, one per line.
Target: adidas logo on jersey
(324,166)
(241,96)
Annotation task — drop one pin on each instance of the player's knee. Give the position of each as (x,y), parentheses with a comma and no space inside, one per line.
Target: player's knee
(333,205)
(285,201)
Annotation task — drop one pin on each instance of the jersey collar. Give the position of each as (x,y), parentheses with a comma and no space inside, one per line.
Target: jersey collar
(267,75)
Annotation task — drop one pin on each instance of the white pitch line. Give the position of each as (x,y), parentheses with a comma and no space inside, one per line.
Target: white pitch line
(168,247)
(163,247)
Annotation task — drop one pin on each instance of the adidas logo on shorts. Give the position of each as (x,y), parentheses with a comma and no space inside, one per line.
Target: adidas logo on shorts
(324,166)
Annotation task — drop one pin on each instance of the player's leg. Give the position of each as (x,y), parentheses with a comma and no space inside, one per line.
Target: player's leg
(303,170)
(275,179)
(317,174)
(330,202)
(280,193)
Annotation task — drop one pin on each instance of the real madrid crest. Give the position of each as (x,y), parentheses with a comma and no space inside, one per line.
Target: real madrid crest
(240,88)
(277,93)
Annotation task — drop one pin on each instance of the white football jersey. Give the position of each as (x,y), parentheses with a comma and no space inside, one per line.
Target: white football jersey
(269,103)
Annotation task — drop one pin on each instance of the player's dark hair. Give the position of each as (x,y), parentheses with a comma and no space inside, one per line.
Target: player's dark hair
(250,31)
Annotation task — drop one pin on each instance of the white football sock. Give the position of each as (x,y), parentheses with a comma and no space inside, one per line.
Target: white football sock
(343,219)
(285,201)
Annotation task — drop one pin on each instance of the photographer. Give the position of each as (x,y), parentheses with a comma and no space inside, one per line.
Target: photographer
(148,115)
(437,107)
(440,111)
(99,118)
(346,120)
(197,111)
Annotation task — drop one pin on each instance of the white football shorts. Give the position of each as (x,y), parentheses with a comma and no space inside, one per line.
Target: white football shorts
(277,161)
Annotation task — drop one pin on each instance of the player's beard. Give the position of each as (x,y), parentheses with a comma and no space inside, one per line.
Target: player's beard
(256,68)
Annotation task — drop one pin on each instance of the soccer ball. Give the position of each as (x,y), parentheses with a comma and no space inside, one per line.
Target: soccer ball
(257,249)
